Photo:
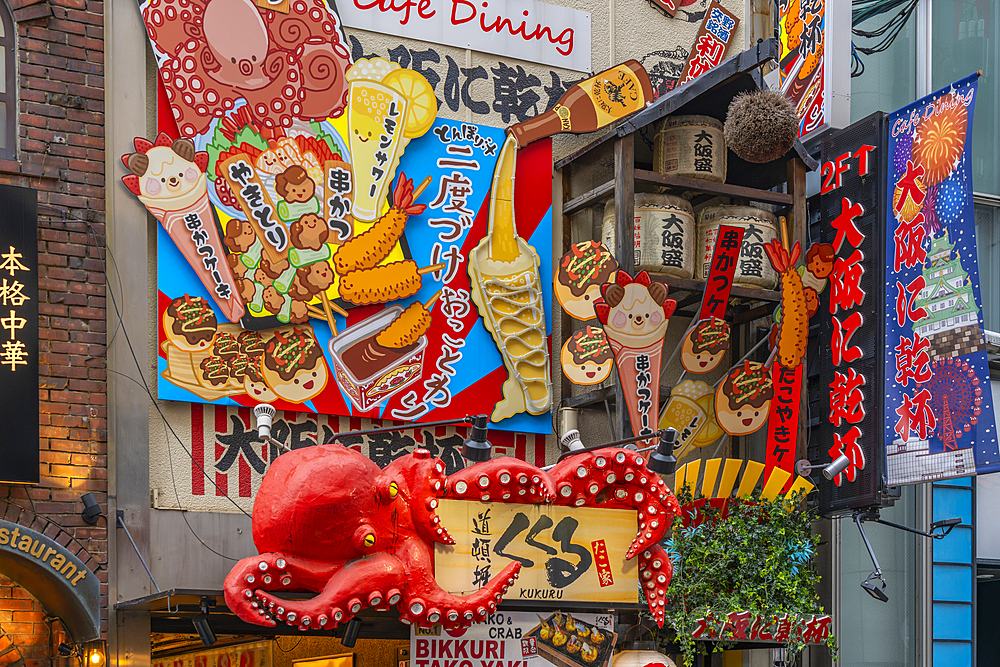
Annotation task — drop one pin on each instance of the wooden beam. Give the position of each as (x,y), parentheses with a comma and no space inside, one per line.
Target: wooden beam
(565,321)
(768,196)
(624,242)
(590,198)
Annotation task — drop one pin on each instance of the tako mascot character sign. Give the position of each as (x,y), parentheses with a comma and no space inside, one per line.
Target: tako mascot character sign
(327,520)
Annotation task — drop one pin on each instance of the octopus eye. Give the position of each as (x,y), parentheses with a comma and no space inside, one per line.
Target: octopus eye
(234,61)
(253,58)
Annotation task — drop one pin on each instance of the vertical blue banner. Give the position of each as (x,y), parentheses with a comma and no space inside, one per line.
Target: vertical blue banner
(938,409)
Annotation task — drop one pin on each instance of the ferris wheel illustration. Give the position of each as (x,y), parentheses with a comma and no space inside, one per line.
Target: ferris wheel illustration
(956,399)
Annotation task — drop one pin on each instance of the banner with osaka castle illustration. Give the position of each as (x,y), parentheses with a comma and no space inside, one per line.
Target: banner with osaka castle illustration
(938,411)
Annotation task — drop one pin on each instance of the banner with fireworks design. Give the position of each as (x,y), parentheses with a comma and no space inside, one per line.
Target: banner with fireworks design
(938,410)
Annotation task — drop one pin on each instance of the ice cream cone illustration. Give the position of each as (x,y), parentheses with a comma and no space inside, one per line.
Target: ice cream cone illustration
(169,178)
(634,313)
(507,289)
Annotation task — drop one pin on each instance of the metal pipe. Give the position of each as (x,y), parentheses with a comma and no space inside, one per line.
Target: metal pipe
(858,518)
(121,524)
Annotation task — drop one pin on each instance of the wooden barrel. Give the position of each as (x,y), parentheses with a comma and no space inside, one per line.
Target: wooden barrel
(692,146)
(664,234)
(759,227)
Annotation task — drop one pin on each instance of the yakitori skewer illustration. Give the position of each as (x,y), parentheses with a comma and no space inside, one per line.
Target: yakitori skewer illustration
(506,288)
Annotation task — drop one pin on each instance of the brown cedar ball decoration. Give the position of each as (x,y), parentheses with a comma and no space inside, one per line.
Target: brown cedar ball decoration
(761,125)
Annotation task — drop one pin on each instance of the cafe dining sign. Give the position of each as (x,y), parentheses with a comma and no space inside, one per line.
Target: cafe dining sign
(528,30)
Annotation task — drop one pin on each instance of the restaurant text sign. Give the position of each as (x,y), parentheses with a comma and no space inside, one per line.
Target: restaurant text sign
(19,333)
(566,553)
(533,31)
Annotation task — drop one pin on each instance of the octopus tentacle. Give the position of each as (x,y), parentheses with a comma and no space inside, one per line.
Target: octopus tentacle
(246,582)
(502,479)
(341,598)
(425,603)
(618,478)
(655,572)
(422,483)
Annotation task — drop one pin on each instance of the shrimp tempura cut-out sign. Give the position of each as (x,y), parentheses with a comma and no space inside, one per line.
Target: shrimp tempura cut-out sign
(634,313)
(786,371)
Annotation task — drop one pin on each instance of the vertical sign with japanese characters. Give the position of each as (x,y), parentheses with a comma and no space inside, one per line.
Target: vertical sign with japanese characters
(849,312)
(19,335)
(720,276)
(711,42)
(938,410)
(804,32)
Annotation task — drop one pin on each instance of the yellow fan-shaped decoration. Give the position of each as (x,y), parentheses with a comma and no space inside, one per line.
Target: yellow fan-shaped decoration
(687,476)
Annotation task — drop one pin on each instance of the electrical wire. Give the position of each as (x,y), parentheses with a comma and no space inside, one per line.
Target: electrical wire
(144,384)
(287,650)
(166,424)
(863,10)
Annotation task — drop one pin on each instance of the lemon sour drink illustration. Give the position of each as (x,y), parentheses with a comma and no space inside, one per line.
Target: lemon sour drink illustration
(387,107)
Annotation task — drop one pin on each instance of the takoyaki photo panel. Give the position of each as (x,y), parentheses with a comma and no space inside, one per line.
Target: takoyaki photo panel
(382,264)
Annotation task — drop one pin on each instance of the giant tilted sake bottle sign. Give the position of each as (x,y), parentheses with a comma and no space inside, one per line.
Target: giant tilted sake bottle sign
(591,104)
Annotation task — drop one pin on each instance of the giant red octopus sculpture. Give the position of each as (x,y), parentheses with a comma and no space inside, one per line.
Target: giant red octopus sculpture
(329,521)
(213,53)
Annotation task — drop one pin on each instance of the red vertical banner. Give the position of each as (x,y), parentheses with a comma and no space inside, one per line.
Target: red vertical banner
(720,277)
(602,562)
(783,418)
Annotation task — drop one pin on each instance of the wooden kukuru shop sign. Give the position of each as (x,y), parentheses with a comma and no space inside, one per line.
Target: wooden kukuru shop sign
(568,554)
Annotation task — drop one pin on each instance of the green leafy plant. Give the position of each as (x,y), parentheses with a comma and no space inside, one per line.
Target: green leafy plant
(758,559)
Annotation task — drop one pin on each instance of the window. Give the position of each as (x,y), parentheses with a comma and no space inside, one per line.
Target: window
(873,634)
(8,85)
(988,247)
(963,40)
(890,78)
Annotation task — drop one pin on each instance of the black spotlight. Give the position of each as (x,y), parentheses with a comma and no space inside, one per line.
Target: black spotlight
(476,447)
(202,625)
(351,632)
(91,510)
(64,648)
(663,461)
(872,589)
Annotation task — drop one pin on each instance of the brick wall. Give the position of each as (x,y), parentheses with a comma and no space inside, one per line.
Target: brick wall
(61,155)
(28,633)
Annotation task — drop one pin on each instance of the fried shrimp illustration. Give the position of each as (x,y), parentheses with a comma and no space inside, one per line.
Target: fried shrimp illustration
(793,331)
(368,249)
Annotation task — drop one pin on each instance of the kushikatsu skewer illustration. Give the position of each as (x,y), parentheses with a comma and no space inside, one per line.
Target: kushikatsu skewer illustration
(411,324)
(506,288)
(381,284)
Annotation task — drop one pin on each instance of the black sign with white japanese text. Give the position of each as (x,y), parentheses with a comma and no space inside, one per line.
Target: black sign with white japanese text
(19,334)
(850,324)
